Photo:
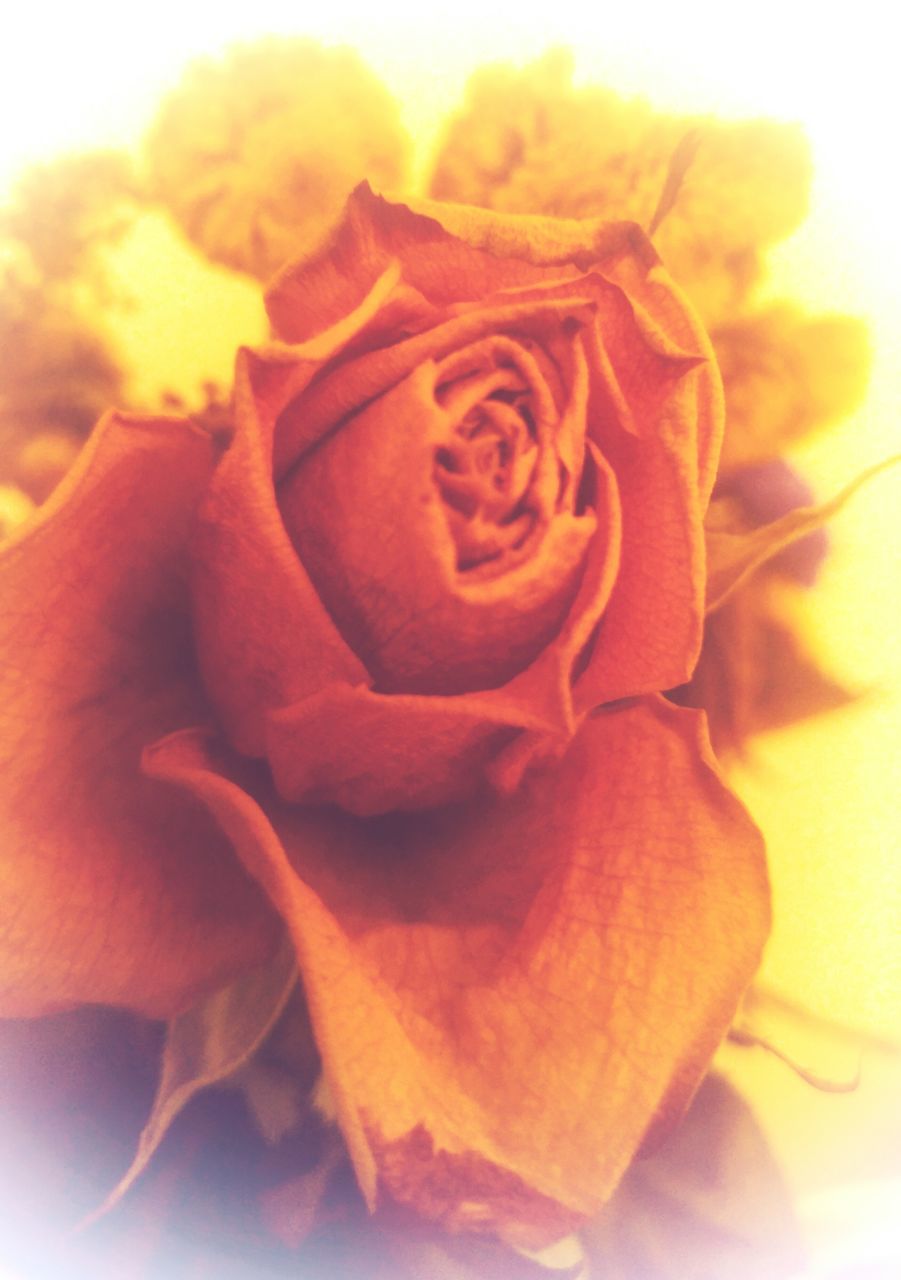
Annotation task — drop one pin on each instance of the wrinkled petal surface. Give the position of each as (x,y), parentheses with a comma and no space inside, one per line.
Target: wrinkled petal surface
(509,995)
(354,528)
(372,530)
(373,753)
(651,632)
(113,888)
(263,636)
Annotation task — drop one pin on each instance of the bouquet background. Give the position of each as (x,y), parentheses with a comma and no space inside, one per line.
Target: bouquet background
(101,304)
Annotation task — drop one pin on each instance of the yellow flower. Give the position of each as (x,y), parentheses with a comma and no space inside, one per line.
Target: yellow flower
(528,142)
(255,155)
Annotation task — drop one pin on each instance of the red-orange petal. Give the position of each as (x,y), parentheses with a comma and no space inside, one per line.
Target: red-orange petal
(373,753)
(318,291)
(114,889)
(448,253)
(670,324)
(370,753)
(663,450)
(263,635)
(508,994)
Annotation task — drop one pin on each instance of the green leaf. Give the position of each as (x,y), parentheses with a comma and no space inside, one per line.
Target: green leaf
(733,557)
(207,1044)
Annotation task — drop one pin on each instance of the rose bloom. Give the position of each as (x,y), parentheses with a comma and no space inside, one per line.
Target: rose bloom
(383,671)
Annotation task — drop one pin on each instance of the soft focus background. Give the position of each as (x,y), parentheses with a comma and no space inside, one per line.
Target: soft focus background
(824,790)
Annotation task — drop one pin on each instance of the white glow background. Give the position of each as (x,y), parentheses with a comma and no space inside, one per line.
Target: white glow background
(92,75)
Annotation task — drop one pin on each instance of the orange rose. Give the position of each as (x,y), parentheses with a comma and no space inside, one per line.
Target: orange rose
(436,582)
(481,446)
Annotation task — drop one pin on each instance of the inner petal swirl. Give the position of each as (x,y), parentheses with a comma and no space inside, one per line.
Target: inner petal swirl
(500,416)
(480,547)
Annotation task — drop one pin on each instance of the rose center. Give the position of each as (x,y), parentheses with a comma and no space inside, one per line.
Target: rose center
(483,474)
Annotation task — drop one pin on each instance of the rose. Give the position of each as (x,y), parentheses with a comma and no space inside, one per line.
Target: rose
(462,620)
(523,902)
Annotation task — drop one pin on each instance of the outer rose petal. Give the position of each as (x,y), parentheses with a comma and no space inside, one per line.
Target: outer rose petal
(113,889)
(508,994)
(449,253)
(371,753)
(651,632)
(261,648)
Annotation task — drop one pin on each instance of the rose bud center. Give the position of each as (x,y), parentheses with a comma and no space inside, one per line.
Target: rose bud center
(484,471)
(441,524)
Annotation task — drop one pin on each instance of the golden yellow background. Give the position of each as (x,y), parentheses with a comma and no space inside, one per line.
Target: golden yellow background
(824,792)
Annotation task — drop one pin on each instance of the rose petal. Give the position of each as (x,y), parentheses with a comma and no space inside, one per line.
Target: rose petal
(234,625)
(670,326)
(114,890)
(538,240)
(263,648)
(320,290)
(538,308)
(664,462)
(351,386)
(508,994)
(448,252)
(371,753)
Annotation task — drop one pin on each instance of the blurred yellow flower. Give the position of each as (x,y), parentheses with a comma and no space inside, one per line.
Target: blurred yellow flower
(58,376)
(527,141)
(255,155)
(786,375)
